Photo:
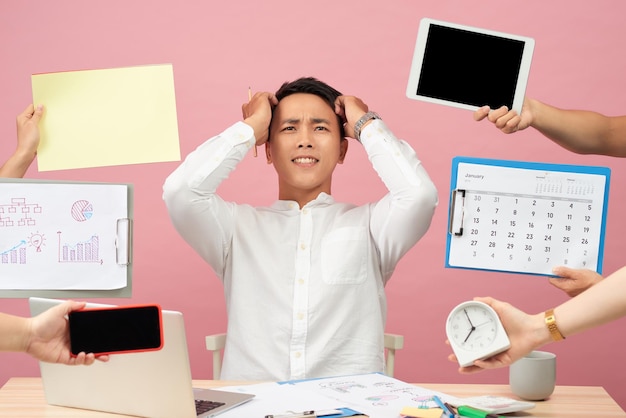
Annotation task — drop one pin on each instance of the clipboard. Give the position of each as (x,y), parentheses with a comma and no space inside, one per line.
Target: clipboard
(65,239)
(526,217)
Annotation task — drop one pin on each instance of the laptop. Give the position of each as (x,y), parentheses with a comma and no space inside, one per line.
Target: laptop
(151,384)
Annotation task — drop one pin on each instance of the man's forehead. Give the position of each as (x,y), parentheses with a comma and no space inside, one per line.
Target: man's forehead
(301,105)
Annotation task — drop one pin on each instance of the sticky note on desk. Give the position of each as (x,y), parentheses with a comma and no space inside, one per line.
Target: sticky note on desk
(413,412)
(106,117)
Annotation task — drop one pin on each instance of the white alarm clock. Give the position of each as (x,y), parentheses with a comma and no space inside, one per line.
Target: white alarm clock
(475,332)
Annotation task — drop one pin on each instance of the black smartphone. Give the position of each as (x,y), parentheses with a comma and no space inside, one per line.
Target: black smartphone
(116,329)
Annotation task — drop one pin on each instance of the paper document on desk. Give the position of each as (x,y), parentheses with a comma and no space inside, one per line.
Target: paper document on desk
(274,399)
(373,394)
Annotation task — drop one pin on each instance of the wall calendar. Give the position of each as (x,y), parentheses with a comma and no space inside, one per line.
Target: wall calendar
(526,217)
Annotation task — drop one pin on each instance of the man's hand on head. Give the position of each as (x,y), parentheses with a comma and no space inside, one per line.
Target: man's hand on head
(258,114)
(350,109)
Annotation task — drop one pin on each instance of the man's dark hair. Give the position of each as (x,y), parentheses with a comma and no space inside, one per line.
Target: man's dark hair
(314,86)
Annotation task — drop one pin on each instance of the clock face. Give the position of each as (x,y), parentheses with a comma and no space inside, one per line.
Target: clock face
(472,327)
(475,332)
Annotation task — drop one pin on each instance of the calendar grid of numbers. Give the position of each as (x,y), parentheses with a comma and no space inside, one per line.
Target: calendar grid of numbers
(526,217)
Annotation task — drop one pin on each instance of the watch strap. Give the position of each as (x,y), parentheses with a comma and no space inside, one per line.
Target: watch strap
(359,123)
(552,327)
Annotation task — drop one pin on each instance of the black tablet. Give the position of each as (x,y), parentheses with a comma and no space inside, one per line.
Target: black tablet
(469,67)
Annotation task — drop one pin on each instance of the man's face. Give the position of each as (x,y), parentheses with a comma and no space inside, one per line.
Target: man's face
(305,146)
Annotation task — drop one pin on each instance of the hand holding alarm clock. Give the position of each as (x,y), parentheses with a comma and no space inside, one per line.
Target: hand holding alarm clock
(475,332)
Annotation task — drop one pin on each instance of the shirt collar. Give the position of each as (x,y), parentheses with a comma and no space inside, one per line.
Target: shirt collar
(323,199)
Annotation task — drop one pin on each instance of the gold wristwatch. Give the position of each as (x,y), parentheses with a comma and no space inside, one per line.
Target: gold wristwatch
(552,327)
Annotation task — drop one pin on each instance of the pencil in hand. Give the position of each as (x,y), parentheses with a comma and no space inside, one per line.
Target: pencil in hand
(250,98)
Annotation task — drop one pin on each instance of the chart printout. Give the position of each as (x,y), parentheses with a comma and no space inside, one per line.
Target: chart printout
(63,236)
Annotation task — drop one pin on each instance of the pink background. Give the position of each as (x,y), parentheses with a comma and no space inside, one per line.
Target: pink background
(218,49)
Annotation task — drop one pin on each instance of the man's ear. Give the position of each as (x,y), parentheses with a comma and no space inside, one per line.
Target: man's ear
(343,149)
(268,153)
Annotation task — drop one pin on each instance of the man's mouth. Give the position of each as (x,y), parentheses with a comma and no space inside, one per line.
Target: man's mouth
(304,160)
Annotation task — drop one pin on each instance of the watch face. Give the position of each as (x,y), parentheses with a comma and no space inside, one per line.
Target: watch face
(472,326)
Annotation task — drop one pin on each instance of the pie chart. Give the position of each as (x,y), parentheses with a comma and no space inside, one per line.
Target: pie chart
(82,210)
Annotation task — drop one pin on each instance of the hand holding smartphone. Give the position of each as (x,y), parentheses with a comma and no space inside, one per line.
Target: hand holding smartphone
(116,329)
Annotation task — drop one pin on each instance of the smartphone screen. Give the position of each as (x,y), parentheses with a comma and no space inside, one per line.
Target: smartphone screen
(116,329)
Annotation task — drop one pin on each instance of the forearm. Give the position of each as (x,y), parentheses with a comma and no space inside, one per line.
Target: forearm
(13,332)
(404,215)
(17,165)
(602,303)
(580,131)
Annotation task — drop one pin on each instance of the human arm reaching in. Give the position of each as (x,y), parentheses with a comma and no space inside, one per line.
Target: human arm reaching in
(574,281)
(45,336)
(579,131)
(27,143)
(603,303)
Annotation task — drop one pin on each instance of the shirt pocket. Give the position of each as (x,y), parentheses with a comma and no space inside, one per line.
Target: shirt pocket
(344,256)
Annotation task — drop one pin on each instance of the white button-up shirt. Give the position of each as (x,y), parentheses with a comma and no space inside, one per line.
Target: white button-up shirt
(304,287)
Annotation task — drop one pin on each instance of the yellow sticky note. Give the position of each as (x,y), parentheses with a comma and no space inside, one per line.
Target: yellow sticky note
(411,411)
(106,117)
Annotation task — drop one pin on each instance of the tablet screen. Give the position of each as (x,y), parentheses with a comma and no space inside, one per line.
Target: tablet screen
(469,68)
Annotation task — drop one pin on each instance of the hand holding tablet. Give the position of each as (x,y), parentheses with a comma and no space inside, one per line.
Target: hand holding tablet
(468,67)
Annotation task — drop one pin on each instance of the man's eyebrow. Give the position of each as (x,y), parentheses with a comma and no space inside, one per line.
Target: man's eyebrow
(320,120)
(295,121)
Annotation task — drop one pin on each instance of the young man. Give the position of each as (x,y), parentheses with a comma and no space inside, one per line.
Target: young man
(304,278)
(45,336)
(27,143)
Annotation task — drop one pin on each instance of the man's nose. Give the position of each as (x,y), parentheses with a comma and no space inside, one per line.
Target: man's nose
(305,141)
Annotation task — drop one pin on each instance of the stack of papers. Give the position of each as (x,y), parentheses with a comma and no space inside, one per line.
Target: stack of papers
(375,395)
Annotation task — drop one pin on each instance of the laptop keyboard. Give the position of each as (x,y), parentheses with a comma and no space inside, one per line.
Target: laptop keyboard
(203,406)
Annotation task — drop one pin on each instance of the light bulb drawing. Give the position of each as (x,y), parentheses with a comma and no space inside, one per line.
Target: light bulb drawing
(37,240)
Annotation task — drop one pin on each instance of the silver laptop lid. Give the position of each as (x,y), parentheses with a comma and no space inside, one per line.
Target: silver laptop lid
(149,384)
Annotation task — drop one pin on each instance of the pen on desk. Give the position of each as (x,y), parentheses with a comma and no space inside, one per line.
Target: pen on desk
(440,404)
(451,408)
(305,414)
(250,98)
(468,411)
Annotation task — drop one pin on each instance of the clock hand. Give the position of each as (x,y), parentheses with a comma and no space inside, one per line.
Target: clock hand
(472,325)
(468,335)
(468,318)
